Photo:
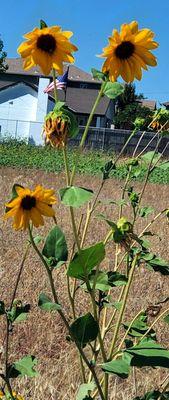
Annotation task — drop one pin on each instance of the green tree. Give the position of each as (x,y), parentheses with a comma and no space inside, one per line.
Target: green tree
(129,96)
(125,119)
(3,55)
(129,108)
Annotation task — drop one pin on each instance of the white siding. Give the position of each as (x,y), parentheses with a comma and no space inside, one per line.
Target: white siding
(18,102)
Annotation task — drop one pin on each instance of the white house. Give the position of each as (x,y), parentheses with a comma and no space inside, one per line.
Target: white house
(23,103)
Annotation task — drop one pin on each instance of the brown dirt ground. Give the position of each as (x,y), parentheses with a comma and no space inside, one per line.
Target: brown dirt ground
(43,334)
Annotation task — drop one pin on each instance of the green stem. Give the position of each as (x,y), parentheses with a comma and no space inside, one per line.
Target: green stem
(125,145)
(66,166)
(123,306)
(55,88)
(71,208)
(100,94)
(84,136)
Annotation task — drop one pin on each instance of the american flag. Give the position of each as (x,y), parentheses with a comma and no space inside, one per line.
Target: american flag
(61,83)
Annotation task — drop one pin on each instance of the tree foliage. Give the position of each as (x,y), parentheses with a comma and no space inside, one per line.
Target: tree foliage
(3,55)
(129,108)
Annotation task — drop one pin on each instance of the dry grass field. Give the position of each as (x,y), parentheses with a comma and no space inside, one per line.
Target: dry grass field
(43,334)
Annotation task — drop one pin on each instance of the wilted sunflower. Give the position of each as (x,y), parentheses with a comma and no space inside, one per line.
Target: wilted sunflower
(48,48)
(128,52)
(30,206)
(56,130)
(16,396)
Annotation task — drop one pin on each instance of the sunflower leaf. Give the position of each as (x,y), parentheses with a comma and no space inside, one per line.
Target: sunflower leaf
(24,367)
(98,74)
(46,304)
(113,90)
(55,247)
(43,24)
(84,389)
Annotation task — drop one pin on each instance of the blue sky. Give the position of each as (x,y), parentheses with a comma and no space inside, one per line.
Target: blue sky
(92,22)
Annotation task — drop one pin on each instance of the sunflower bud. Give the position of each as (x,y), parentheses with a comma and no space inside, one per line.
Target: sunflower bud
(56,129)
(124,225)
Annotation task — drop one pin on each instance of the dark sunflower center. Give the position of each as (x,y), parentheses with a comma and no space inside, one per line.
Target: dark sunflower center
(125,50)
(28,202)
(46,43)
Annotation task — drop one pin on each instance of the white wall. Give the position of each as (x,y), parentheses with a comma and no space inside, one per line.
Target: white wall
(18,102)
(42,103)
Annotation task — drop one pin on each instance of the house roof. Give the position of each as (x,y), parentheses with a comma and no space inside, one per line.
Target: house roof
(151,104)
(82,100)
(77,99)
(5,83)
(166,104)
(75,74)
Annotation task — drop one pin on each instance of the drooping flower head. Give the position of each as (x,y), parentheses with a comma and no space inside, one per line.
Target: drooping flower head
(30,206)
(48,48)
(128,52)
(60,125)
(56,130)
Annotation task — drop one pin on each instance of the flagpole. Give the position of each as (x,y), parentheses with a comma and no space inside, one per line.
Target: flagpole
(67,80)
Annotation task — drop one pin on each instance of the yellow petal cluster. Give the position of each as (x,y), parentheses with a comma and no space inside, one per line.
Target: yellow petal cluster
(129,52)
(30,206)
(48,48)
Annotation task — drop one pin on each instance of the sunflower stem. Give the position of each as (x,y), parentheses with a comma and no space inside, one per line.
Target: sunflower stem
(84,136)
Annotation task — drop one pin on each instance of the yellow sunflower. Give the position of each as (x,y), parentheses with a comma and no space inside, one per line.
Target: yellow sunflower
(48,48)
(30,206)
(128,52)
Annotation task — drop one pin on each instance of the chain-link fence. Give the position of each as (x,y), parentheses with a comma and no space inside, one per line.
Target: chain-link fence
(98,138)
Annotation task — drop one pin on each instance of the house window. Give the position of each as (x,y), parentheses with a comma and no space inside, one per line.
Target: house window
(83,85)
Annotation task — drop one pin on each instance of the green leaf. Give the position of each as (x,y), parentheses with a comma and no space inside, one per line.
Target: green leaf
(164,165)
(139,327)
(25,366)
(106,280)
(113,90)
(84,391)
(145,211)
(118,367)
(158,265)
(18,312)
(75,196)
(43,24)
(74,127)
(38,239)
(2,308)
(58,105)
(148,353)
(147,157)
(55,247)
(166,319)
(46,304)
(109,222)
(116,279)
(84,261)
(84,329)
(98,74)
(117,305)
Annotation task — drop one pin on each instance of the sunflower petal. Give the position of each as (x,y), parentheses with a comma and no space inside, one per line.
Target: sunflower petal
(45,210)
